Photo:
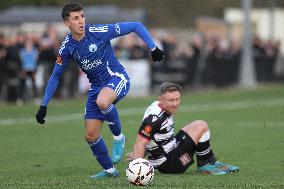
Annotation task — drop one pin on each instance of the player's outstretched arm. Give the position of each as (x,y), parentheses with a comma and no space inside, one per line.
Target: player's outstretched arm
(139,148)
(137,27)
(156,53)
(49,92)
(124,28)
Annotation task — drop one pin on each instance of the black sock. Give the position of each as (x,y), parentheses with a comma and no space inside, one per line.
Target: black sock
(204,154)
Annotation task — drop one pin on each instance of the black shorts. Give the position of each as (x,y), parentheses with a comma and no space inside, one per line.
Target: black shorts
(180,158)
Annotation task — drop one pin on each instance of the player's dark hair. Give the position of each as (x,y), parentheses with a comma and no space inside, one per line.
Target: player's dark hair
(70,7)
(169,87)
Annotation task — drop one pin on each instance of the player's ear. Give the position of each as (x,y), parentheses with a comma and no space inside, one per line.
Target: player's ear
(66,23)
(160,98)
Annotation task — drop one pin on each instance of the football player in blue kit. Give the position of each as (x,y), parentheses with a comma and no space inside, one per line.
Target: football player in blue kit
(89,46)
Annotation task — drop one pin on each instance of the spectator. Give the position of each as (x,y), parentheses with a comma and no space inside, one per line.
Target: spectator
(28,57)
(3,54)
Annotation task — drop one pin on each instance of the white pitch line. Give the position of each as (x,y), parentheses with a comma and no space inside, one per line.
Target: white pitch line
(242,104)
(252,123)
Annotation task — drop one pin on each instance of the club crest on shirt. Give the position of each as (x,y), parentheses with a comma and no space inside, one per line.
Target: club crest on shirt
(93,47)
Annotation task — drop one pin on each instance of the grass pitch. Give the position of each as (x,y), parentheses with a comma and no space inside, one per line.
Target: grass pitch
(247,129)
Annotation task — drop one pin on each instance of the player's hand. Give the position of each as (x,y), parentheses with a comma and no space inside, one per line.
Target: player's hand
(157,54)
(41,113)
(130,156)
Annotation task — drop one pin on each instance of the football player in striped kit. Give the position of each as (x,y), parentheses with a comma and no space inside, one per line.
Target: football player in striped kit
(89,46)
(170,153)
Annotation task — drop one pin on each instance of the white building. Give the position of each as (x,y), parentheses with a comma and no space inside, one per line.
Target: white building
(267,23)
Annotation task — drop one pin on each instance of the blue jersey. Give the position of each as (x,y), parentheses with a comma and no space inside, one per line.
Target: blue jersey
(28,59)
(94,53)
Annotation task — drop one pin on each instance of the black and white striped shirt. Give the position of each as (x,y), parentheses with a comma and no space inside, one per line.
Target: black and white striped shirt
(158,127)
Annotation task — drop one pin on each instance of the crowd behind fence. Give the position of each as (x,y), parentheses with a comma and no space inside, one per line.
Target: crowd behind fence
(27,60)
(204,61)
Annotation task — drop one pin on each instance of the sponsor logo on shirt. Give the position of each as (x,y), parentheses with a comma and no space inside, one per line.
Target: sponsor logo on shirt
(98,29)
(87,65)
(93,47)
(59,60)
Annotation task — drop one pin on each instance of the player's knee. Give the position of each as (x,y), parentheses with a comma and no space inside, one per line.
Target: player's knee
(91,137)
(201,125)
(102,103)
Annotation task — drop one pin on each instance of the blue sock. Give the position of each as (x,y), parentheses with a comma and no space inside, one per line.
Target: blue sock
(99,149)
(113,120)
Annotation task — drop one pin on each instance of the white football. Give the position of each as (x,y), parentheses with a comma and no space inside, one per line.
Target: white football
(140,172)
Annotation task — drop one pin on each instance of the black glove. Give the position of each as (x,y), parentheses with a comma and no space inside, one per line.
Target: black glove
(157,55)
(41,113)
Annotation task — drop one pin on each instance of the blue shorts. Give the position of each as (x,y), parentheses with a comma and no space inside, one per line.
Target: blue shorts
(120,83)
